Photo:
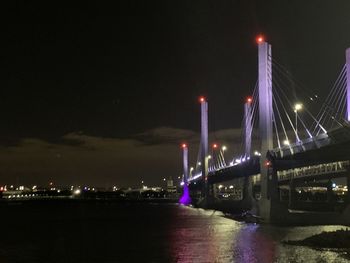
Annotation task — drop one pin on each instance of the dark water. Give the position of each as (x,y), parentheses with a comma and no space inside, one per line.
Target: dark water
(95,232)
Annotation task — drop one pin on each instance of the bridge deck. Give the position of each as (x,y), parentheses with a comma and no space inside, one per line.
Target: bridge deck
(325,149)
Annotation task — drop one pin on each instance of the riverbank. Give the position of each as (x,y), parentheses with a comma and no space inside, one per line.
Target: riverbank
(338,240)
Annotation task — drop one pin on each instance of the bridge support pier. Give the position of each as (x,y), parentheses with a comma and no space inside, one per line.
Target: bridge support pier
(346,212)
(292,194)
(348,186)
(268,207)
(274,195)
(213,191)
(248,191)
(329,192)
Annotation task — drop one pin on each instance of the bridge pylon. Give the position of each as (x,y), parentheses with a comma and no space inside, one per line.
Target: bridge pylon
(185,162)
(265,127)
(204,145)
(347,56)
(248,127)
(185,198)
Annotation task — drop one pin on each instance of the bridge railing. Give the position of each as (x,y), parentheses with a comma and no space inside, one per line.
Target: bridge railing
(302,146)
(335,136)
(327,168)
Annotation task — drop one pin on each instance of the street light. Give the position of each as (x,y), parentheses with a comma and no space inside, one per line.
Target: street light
(224,148)
(297,107)
(191,171)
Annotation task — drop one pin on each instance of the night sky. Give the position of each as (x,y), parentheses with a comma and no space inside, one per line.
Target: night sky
(102,94)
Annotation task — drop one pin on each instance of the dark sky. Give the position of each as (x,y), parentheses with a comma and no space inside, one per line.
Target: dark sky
(96,93)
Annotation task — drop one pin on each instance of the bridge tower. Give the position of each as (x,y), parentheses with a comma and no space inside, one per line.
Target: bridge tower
(204,144)
(347,54)
(265,123)
(185,198)
(185,161)
(247,185)
(347,64)
(248,126)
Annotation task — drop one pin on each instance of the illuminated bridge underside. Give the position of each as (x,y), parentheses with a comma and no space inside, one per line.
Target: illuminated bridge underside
(324,149)
(320,172)
(247,168)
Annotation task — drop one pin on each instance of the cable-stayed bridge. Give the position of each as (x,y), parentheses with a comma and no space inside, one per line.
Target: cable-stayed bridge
(302,141)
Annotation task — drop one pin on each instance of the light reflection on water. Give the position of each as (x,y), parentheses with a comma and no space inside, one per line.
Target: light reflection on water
(108,232)
(207,236)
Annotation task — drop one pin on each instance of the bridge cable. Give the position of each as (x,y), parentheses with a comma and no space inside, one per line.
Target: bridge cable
(278,83)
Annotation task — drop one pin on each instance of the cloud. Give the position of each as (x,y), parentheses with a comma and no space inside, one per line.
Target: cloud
(229,135)
(78,158)
(166,135)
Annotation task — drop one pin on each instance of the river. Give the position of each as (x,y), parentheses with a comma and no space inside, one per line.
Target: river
(107,232)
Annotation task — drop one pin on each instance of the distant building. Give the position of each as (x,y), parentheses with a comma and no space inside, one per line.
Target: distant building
(170,185)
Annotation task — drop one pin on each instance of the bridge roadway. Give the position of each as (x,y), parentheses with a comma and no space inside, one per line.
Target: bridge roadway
(320,157)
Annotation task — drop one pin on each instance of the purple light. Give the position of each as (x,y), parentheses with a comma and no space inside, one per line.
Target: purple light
(185,198)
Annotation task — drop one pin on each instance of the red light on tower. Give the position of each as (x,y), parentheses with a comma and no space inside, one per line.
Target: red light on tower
(260,39)
(201,99)
(215,146)
(184,145)
(249,100)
